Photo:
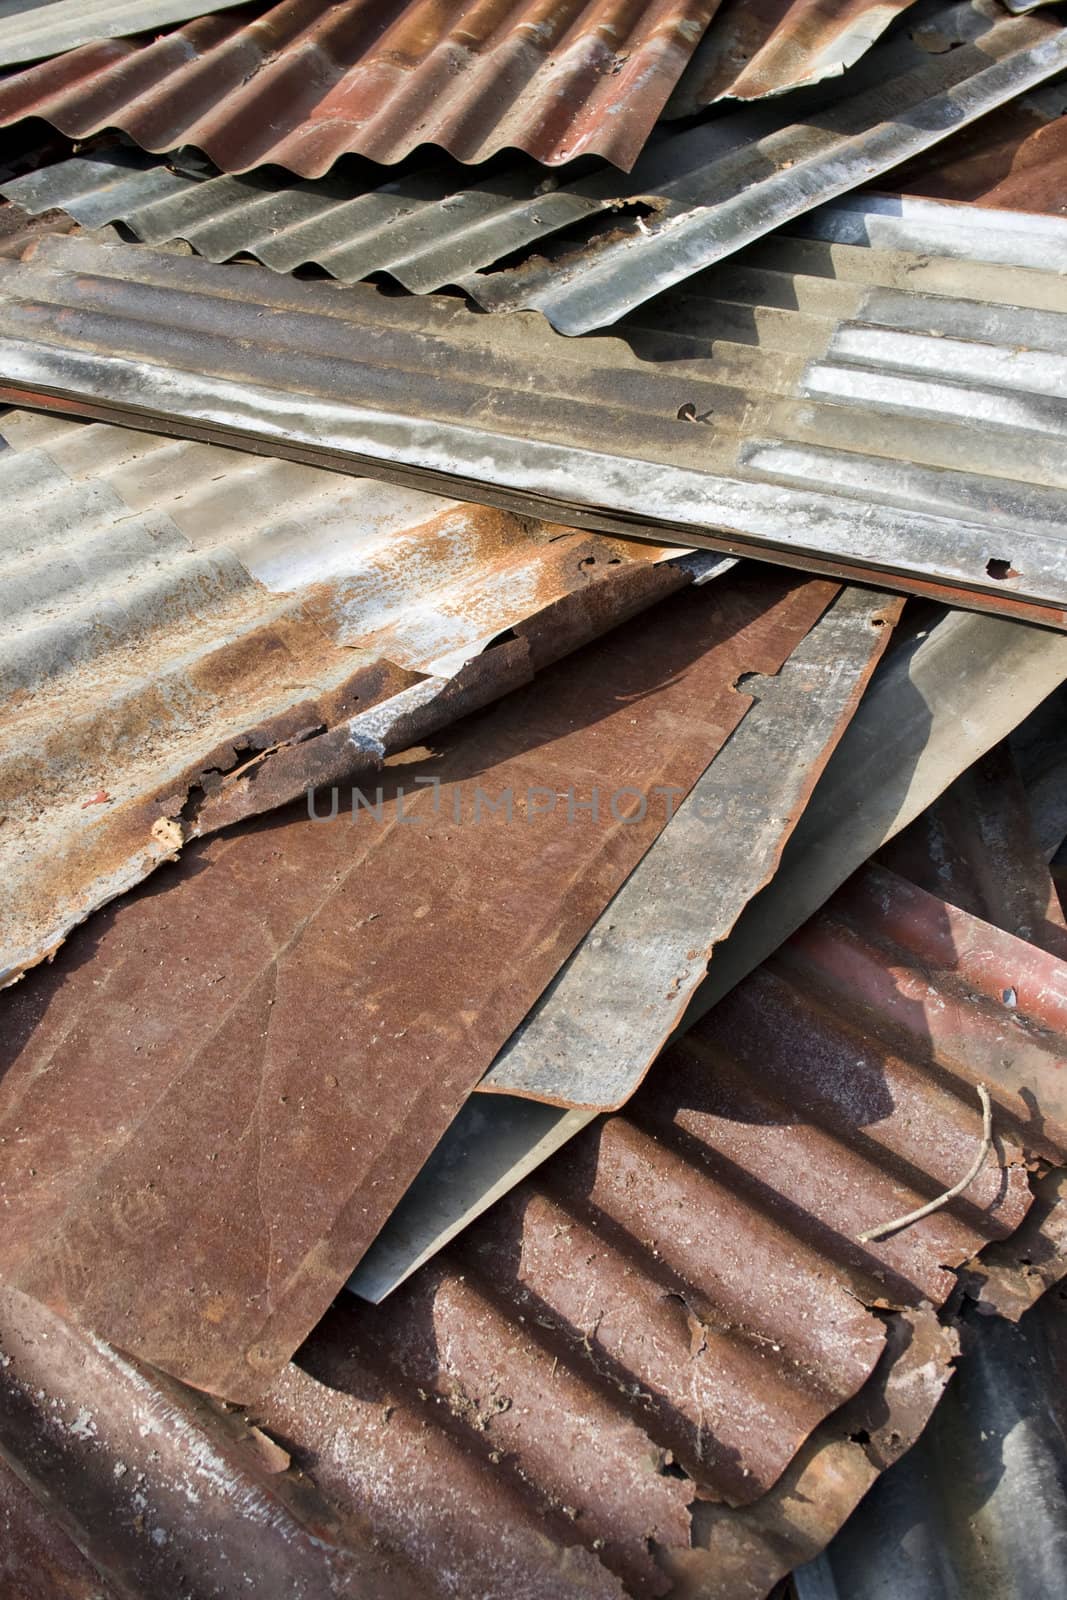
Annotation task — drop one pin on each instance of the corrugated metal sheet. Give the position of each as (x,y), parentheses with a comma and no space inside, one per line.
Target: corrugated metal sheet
(979,1506)
(32,29)
(629,1379)
(942,698)
(976,847)
(163,1493)
(303,82)
(867,411)
(679,1266)
(762,47)
(185,629)
(693,199)
(335,988)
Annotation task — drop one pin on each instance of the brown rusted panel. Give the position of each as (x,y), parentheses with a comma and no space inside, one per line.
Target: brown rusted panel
(651,1371)
(975,847)
(266,609)
(163,1492)
(298,1025)
(763,47)
(1013,1274)
(1013,160)
(38,1560)
(301,83)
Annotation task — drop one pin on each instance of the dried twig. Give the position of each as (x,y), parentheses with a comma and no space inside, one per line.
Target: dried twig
(950,1194)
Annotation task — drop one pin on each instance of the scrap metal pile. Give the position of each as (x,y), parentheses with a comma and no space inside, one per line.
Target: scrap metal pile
(533,798)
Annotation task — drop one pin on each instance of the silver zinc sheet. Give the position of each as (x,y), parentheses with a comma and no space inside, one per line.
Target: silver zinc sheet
(694,198)
(33,29)
(891,415)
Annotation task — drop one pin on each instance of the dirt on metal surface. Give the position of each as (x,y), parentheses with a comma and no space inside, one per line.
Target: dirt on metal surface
(831,404)
(299,1024)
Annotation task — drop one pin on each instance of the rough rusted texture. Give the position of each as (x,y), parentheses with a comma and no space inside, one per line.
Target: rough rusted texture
(649,1372)
(975,847)
(1013,1274)
(1015,159)
(38,1560)
(218,1127)
(163,1492)
(301,83)
(763,47)
(187,632)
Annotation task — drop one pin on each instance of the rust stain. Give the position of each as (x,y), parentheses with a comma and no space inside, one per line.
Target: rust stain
(392,956)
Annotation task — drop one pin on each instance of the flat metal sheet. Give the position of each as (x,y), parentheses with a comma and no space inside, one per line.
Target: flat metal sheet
(597,1029)
(872,413)
(693,199)
(939,702)
(186,631)
(229,1082)
(301,83)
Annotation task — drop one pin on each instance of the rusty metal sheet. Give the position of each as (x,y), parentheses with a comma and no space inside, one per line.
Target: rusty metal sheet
(946,694)
(861,422)
(980,1505)
(1014,1274)
(662,1368)
(301,83)
(597,1029)
(680,1264)
(376,1491)
(600,1024)
(334,989)
(976,848)
(1015,159)
(764,47)
(186,631)
(694,197)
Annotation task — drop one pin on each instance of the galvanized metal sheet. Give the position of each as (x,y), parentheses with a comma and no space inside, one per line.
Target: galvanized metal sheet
(302,82)
(704,194)
(334,989)
(840,407)
(597,1029)
(977,848)
(694,198)
(186,631)
(32,29)
(939,702)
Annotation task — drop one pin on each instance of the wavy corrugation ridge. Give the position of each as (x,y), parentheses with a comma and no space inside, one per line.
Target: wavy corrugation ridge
(304,82)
